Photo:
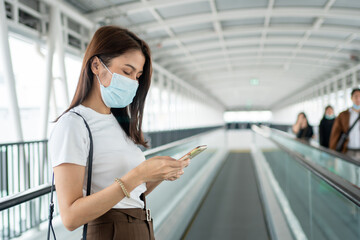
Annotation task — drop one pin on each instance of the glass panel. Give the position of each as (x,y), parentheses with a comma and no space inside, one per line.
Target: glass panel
(341,167)
(322,211)
(333,215)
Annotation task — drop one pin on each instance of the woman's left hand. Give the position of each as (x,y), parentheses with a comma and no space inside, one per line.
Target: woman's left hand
(178,175)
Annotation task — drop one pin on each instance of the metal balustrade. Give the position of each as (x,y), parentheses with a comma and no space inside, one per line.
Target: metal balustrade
(25,175)
(23,166)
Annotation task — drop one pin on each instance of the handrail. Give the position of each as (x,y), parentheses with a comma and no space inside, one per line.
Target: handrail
(27,195)
(347,189)
(45,140)
(320,148)
(35,192)
(23,142)
(178,142)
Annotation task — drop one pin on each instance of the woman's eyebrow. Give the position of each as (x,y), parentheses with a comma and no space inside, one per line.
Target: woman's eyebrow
(133,68)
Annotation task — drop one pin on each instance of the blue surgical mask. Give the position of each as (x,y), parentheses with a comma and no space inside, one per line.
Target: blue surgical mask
(356,107)
(121,91)
(329,117)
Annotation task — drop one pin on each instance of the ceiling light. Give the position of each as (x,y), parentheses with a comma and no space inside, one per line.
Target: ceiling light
(254,81)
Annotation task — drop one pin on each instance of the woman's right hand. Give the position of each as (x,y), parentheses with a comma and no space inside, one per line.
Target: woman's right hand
(161,168)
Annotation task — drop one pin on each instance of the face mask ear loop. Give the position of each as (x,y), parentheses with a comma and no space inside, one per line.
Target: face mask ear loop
(98,79)
(106,67)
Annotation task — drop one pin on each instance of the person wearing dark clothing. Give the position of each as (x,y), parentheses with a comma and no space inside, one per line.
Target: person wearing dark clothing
(325,126)
(301,128)
(305,133)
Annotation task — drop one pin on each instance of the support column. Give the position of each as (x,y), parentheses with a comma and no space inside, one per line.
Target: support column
(329,93)
(324,96)
(44,116)
(337,95)
(9,74)
(346,97)
(161,104)
(354,80)
(60,54)
(319,94)
(319,108)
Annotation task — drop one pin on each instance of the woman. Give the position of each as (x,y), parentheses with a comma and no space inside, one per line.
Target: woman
(113,84)
(325,126)
(301,128)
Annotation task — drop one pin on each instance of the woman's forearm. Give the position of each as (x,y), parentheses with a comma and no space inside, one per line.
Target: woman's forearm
(296,128)
(82,210)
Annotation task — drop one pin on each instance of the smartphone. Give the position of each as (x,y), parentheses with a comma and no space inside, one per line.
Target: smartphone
(193,152)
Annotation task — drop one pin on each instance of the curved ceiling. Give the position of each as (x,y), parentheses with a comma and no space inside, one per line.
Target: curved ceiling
(221,46)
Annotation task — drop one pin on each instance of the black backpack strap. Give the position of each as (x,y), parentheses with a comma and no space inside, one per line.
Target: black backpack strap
(51,211)
(90,160)
(353,125)
(88,188)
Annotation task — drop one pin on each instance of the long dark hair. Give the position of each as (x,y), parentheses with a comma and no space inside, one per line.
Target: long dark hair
(302,113)
(107,43)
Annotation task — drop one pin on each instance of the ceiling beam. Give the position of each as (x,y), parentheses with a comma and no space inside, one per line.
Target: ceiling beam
(260,74)
(251,14)
(234,31)
(136,7)
(265,28)
(247,66)
(72,13)
(315,26)
(292,97)
(339,47)
(180,45)
(198,47)
(165,61)
(235,83)
(247,59)
(219,32)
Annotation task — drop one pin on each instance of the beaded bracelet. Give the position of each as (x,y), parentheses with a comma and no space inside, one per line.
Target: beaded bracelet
(122,187)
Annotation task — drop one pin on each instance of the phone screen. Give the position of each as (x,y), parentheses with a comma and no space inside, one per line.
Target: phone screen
(196,151)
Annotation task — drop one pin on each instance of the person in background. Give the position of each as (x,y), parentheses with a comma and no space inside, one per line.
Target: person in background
(342,124)
(301,128)
(325,126)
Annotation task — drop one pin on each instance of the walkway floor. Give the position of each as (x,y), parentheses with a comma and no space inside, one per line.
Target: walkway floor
(232,209)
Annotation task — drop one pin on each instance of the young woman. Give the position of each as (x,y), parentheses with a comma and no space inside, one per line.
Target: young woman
(325,126)
(301,128)
(110,95)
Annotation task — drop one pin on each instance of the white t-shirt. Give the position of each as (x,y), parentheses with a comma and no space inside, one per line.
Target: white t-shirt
(114,152)
(354,135)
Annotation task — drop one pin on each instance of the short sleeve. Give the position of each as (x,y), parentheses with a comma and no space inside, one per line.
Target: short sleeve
(69,141)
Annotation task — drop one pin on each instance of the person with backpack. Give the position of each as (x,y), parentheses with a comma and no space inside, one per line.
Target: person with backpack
(101,175)
(345,134)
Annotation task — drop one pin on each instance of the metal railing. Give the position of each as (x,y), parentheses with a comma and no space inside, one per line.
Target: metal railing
(163,137)
(344,187)
(25,183)
(316,201)
(315,145)
(24,169)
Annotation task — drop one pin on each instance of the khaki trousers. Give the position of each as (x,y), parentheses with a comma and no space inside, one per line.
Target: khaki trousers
(118,224)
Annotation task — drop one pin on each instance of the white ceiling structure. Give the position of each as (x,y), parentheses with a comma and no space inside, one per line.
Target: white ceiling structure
(220,45)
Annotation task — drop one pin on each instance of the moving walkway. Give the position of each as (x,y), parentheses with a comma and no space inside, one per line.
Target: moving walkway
(279,188)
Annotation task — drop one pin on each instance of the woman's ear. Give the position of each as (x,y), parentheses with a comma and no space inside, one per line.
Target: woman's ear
(95,63)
